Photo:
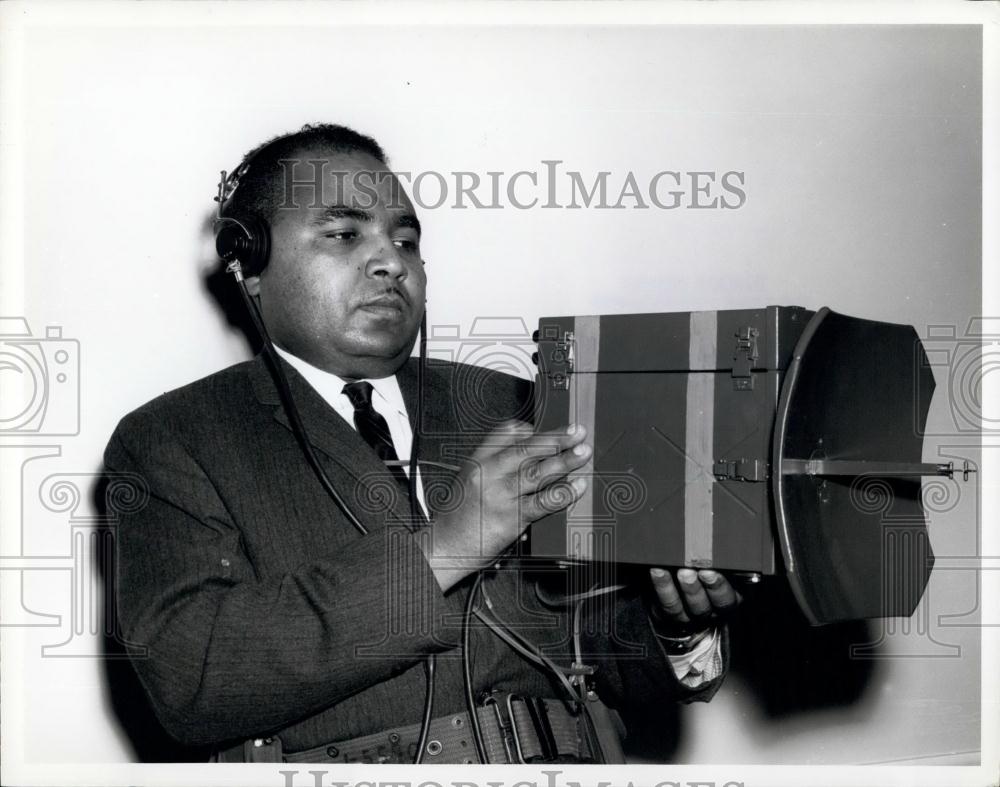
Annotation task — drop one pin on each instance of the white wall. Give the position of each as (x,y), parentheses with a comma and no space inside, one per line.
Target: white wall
(860,148)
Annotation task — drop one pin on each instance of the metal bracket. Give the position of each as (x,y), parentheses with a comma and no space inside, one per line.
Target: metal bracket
(859,467)
(750,470)
(743,358)
(564,355)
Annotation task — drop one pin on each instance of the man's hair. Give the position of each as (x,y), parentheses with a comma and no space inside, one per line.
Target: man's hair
(258,193)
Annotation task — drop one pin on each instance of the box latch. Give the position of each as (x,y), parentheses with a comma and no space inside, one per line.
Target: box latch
(561,361)
(744,357)
(752,470)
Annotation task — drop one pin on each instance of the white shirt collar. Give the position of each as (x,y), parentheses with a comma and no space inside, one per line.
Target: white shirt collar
(387,396)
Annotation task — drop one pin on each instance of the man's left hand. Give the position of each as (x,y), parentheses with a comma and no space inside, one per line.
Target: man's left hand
(693,599)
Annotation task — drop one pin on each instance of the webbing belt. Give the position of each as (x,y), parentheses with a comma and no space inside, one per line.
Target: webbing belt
(515,729)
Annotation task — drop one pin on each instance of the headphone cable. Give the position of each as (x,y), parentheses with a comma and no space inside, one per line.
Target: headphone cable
(470,700)
(417,515)
(288,401)
(285,392)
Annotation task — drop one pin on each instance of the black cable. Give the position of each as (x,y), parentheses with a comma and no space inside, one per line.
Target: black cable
(415,512)
(523,651)
(571,598)
(511,637)
(590,725)
(470,700)
(298,428)
(425,727)
(416,515)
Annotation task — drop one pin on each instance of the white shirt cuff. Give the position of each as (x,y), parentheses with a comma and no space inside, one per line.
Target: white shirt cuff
(701,664)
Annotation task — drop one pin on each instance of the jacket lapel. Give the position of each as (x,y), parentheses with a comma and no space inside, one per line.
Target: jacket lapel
(361,481)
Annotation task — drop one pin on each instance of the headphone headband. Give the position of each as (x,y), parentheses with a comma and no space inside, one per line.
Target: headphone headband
(240,239)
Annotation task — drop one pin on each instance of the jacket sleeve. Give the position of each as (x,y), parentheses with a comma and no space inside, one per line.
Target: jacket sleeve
(224,654)
(635,675)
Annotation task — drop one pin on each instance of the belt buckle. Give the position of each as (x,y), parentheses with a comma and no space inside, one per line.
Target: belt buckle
(548,753)
(503,726)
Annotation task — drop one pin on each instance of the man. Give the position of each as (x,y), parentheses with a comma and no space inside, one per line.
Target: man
(273,624)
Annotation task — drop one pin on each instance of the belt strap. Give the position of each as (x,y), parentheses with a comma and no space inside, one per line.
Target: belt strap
(252,750)
(515,729)
(449,740)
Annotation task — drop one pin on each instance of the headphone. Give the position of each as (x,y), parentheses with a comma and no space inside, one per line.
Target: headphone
(243,241)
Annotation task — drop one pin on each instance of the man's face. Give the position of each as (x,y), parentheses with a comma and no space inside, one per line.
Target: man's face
(344,286)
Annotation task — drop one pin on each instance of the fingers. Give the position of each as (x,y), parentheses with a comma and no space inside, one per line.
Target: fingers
(693,597)
(668,595)
(550,499)
(693,592)
(540,473)
(516,440)
(505,435)
(720,593)
(535,447)
(532,461)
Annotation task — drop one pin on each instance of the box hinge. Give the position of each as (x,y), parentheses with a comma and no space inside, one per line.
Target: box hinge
(744,357)
(752,470)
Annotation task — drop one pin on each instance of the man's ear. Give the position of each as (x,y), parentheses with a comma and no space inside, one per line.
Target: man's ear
(253,285)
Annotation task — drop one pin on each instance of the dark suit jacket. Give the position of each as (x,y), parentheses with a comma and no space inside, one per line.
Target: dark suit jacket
(265,612)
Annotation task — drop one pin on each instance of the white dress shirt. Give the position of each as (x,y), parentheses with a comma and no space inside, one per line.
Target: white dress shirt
(699,665)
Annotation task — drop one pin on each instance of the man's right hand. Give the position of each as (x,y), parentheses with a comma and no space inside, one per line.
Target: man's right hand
(514,478)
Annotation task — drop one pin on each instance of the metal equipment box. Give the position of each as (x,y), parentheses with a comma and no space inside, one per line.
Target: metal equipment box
(758,440)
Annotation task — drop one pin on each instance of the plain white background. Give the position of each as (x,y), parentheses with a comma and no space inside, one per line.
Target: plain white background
(860,148)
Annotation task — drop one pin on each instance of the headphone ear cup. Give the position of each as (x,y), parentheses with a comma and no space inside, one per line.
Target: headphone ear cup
(247,240)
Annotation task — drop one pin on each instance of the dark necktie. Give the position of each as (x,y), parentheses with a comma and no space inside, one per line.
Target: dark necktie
(373,428)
